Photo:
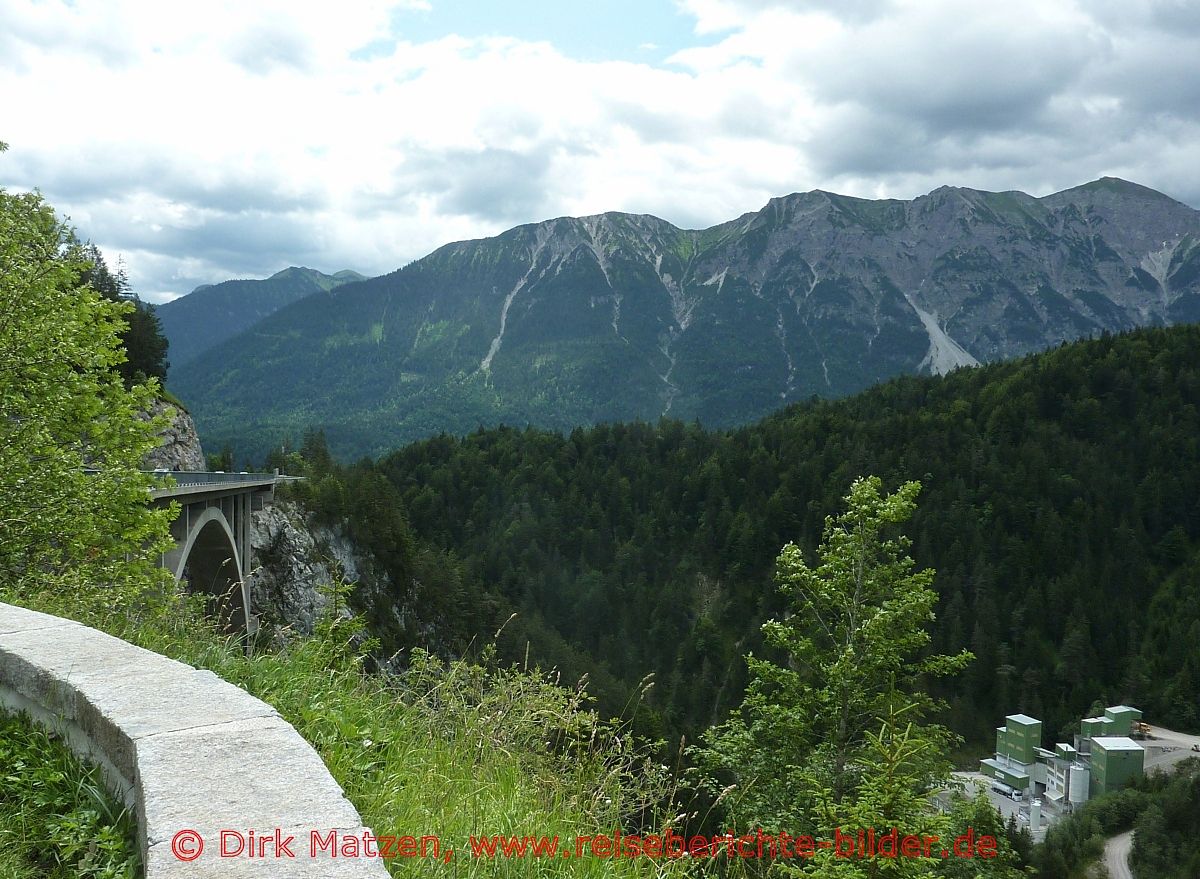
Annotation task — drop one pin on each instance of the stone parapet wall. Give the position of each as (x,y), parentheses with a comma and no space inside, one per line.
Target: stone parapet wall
(187,750)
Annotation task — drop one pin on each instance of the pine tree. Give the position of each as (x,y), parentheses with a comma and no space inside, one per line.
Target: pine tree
(143,339)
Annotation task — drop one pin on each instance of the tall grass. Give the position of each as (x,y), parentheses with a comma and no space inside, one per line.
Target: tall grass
(56,819)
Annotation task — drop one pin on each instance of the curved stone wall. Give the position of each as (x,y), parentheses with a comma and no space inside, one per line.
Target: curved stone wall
(193,754)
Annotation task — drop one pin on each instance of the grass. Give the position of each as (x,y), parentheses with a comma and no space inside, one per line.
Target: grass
(56,819)
(451,749)
(168,397)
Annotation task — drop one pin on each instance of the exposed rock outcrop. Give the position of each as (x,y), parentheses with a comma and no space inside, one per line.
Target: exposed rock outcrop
(179,447)
(296,560)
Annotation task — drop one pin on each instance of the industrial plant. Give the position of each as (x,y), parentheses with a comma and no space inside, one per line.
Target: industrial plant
(1103,757)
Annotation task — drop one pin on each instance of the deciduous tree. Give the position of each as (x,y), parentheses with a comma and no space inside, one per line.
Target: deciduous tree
(73,511)
(834,733)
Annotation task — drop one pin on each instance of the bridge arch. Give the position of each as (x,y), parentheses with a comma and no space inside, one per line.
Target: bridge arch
(210,561)
(212,537)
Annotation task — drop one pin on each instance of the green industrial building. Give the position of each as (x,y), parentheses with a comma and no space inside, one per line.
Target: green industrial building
(1016,744)
(1018,737)
(1117,721)
(1116,761)
(1103,758)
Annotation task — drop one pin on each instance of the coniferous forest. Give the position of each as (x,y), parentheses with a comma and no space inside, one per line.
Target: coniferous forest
(142,339)
(1059,508)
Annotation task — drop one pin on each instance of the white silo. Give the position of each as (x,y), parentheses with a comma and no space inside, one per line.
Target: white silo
(1078,787)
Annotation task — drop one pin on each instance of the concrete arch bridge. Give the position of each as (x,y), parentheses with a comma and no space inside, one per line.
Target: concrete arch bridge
(212,538)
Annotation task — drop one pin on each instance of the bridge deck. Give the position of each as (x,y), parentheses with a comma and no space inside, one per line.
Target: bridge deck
(199,482)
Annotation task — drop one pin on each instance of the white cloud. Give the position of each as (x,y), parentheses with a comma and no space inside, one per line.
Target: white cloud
(244,137)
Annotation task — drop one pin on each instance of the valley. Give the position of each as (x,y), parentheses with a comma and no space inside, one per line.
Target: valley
(1065,557)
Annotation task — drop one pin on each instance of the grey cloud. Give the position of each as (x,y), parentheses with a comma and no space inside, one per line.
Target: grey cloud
(909,165)
(494,185)
(740,114)
(1156,73)
(1176,16)
(751,115)
(242,240)
(491,184)
(654,126)
(101,172)
(949,102)
(951,78)
(1180,17)
(231,241)
(857,140)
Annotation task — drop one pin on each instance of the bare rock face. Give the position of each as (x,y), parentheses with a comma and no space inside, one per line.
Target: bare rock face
(297,560)
(179,446)
(291,572)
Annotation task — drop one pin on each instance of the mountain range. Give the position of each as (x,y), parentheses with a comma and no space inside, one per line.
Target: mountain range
(613,317)
(212,313)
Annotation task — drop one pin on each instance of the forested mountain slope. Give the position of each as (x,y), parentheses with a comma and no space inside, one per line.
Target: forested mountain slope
(213,313)
(615,317)
(1061,510)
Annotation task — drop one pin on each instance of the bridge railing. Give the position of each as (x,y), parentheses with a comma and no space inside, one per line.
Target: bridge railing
(211,477)
(190,480)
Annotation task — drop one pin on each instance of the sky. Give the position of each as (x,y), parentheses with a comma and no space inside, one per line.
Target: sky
(225,139)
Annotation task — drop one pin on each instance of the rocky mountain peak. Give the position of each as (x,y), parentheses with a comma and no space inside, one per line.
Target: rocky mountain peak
(618,316)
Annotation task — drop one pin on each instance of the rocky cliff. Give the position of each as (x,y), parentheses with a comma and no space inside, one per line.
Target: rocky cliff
(179,447)
(295,563)
(297,560)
